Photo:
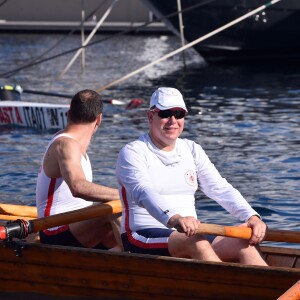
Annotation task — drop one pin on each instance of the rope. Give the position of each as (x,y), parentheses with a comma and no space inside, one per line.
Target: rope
(3,2)
(38,60)
(24,227)
(189,45)
(17,229)
(69,33)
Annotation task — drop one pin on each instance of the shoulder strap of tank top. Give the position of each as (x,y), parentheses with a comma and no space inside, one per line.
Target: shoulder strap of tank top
(53,139)
(56,137)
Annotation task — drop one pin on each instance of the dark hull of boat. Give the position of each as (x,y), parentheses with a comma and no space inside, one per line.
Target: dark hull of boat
(270,34)
(57,272)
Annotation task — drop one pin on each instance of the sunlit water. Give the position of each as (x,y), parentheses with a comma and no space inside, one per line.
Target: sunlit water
(245,117)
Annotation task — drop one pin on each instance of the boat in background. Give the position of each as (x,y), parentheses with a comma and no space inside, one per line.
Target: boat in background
(61,16)
(45,116)
(42,116)
(272,33)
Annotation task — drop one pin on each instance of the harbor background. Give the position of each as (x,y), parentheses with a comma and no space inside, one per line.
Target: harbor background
(246,117)
(57,15)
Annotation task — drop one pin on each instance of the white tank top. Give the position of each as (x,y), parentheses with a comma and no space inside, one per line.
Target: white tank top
(53,195)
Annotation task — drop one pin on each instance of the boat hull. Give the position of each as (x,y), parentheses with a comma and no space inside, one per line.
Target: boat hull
(42,116)
(270,34)
(49,116)
(57,271)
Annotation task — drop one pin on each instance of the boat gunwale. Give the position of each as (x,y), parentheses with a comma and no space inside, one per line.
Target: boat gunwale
(24,245)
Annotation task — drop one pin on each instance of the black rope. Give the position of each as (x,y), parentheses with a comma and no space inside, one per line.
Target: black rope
(17,229)
(3,2)
(12,72)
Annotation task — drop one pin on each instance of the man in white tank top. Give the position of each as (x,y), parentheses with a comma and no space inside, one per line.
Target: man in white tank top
(65,180)
(158,175)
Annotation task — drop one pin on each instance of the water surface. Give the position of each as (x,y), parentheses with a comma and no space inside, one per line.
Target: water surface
(245,117)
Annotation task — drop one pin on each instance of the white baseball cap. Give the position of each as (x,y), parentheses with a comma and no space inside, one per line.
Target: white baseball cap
(165,98)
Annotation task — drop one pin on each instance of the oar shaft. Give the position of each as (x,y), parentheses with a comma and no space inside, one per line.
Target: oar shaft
(94,211)
(69,96)
(14,217)
(287,236)
(18,210)
(272,235)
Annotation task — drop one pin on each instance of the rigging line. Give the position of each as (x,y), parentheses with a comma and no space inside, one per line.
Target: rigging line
(191,44)
(3,2)
(69,33)
(90,36)
(9,73)
(131,30)
(38,59)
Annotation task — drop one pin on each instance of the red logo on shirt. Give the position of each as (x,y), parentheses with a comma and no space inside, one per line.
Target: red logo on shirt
(190,177)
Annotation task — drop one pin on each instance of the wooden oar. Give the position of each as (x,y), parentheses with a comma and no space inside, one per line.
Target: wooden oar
(292,293)
(21,228)
(69,96)
(14,217)
(15,229)
(245,233)
(19,211)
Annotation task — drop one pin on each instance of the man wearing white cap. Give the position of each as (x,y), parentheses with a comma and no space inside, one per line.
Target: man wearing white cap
(158,175)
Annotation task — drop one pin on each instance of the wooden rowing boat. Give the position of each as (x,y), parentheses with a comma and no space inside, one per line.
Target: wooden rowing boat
(45,271)
(56,271)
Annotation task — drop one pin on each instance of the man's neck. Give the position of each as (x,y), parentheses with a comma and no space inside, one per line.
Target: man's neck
(81,133)
(160,144)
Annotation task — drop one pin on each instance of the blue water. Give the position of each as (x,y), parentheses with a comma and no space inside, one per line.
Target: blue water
(246,117)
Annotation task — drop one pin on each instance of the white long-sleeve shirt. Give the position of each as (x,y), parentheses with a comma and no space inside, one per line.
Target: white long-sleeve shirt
(154,184)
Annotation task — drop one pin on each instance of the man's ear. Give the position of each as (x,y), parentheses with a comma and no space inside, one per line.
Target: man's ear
(99,120)
(150,116)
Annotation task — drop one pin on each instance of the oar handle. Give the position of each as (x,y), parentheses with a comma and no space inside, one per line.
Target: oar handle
(273,235)
(229,231)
